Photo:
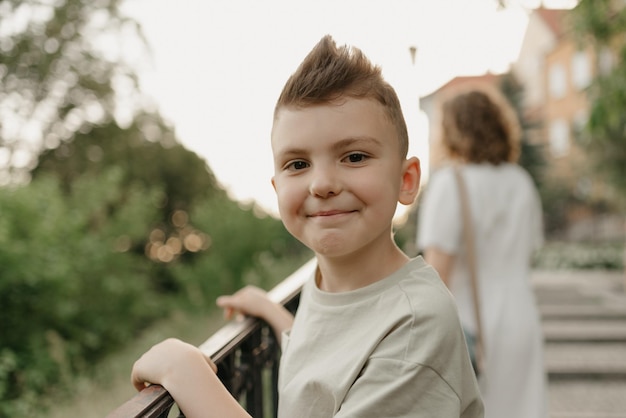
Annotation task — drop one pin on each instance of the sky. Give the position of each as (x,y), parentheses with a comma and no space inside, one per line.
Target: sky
(218,66)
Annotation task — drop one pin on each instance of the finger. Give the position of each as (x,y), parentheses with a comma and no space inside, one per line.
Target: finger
(223,301)
(228,313)
(138,384)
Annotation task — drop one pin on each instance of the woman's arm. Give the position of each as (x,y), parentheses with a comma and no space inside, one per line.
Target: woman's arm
(441,261)
(189,377)
(254,302)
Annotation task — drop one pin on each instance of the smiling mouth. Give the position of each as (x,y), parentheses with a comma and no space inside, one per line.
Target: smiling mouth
(330,213)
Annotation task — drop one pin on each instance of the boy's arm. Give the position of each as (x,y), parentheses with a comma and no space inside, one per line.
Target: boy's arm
(254,302)
(189,377)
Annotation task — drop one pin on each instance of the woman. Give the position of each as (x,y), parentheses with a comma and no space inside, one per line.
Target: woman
(480,136)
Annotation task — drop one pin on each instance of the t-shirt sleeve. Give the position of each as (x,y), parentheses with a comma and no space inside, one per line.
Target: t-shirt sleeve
(384,393)
(439,221)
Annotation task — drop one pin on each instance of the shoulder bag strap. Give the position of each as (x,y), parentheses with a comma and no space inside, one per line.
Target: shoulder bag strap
(468,236)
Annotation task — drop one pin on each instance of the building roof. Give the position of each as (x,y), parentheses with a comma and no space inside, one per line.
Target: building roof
(553,18)
(463,81)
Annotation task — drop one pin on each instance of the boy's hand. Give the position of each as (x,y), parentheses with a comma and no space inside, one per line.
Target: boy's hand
(254,302)
(189,376)
(248,301)
(165,361)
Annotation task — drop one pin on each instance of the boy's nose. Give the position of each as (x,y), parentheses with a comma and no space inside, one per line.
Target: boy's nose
(324,183)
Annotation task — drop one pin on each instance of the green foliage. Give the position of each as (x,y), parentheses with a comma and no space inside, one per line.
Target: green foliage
(56,78)
(531,155)
(580,256)
(244,245)
(73,288)
(76,284)
(605,137)
(602,25)
(70,289)
(81,102)
(598,21)
(163,163)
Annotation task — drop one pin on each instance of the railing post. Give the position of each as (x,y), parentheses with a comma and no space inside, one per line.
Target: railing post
(254,398)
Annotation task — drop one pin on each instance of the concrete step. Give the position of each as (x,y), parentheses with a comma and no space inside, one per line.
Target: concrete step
(584,323)
(588,330)
(586,360)
(611,280)
(578,295)
(582,311)
(587,399)
(565,296)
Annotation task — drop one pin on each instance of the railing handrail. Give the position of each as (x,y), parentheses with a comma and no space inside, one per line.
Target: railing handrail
(154,399)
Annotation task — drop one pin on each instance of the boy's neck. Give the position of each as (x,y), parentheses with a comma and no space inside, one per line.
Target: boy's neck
(342,274)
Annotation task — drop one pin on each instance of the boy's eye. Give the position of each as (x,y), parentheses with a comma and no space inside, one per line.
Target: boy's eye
(297,165)
(356,157)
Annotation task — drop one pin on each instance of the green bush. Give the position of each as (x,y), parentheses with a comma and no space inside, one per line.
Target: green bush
(78,280)
(71,286)
(580,255)
(244,246)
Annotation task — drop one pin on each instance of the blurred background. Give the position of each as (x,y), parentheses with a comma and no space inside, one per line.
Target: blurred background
(135,163)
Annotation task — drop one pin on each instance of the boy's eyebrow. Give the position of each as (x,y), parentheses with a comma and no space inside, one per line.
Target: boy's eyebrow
(289,151)
(348,142)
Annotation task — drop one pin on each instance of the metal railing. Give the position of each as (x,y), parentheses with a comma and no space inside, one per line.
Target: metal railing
(246,354)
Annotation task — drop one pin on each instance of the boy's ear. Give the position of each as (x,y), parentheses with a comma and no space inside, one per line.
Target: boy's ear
(411,176)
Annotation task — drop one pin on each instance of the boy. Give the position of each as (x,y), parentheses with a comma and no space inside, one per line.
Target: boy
(376,334)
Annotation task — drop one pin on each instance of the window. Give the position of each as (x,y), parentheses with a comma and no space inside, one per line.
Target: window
(606,61)
(559,138)
(556,81)
(581,70)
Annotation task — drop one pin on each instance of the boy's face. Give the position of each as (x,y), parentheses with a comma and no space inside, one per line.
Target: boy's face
(339,174)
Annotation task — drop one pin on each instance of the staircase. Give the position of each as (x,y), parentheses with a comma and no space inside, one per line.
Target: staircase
(584,324)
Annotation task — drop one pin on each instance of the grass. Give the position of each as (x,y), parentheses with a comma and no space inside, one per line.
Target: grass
(97,394)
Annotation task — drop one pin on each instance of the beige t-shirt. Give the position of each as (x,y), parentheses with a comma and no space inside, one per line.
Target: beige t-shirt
(391,349)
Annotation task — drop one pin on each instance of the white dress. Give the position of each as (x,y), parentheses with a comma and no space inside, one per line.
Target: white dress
(506,212)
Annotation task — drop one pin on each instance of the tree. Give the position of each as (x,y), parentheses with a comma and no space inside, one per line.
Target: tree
(531,155)
(183,176)
(602,25)
(58,78)
(70,103)
(70,289)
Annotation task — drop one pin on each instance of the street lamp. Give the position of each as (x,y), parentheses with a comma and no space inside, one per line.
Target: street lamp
(413,52)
